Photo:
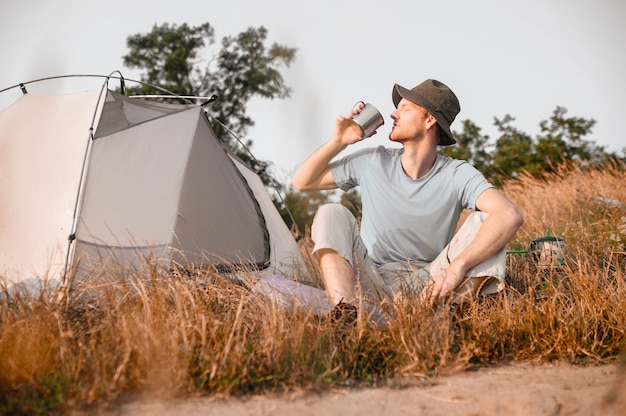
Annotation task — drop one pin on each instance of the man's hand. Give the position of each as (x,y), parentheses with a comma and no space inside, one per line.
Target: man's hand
(314,174)
(347,132)
(443,284)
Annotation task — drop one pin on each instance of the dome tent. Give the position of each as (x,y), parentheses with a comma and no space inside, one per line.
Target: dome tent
(97,179)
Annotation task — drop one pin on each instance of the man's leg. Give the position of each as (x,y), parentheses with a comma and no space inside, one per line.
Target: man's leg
(346,268)
(338,276)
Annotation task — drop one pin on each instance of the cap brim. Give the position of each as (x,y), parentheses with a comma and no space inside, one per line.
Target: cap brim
(396,94)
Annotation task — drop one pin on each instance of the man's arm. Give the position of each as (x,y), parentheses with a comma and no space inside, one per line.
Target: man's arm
(497,230)
(314,174)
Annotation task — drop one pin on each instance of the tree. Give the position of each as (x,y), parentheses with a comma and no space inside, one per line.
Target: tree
(514,151)
(471,146)
(168,55)
(563,139)
(171,57)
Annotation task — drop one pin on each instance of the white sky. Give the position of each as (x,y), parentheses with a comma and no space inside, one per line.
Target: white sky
(521,58)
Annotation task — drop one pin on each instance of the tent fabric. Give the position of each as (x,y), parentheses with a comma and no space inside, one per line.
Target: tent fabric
(284,251)
(185,194)
(120,113)
(153,183)
(43,140)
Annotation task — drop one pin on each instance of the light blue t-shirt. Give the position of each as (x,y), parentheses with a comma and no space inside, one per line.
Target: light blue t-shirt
(406,219)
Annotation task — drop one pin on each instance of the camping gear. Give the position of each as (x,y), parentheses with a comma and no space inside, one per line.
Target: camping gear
(548,251)
(96,180)
(368,119)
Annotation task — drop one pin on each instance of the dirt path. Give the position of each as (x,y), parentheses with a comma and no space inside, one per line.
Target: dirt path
(515,389)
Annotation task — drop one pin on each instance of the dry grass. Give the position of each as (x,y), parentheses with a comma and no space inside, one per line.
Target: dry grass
(200,333)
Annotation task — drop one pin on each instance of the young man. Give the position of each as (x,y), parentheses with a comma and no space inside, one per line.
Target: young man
(412,199)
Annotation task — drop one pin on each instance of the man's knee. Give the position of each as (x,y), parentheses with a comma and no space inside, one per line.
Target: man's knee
(332,213)
(332,217)
(334,227)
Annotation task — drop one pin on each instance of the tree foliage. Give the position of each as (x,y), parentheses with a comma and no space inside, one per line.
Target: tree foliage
(168,57)
(471,145)
(561,139)
(564,139)
(514,150)
(183,59)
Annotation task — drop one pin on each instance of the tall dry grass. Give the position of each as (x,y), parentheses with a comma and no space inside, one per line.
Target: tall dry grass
(201,333)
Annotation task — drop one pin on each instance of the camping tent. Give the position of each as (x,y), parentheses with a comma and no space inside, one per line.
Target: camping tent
(97,179)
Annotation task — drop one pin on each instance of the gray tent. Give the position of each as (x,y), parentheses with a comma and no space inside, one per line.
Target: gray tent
(97,179)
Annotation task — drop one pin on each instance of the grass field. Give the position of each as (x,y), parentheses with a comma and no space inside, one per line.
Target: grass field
(201,333)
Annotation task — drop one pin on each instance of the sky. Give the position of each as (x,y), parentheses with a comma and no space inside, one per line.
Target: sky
(522,58)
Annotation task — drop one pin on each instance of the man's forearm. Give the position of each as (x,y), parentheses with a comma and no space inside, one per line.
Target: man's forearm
(497,230)
(314,173)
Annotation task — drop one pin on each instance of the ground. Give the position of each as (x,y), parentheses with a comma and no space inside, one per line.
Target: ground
(512,389)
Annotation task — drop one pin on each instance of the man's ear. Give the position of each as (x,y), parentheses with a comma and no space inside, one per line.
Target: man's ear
(430,121)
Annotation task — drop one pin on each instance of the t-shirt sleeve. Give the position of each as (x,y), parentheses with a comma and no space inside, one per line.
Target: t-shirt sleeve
(470,184)
(347,171)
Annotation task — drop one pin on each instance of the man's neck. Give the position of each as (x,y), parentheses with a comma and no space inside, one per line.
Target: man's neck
(418,158)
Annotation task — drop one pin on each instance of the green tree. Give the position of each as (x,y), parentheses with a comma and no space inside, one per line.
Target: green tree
(514,151)
(471,146)
(174,57)
(562,139)
(169,58)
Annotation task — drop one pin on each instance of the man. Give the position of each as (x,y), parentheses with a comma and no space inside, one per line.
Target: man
(412,199)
